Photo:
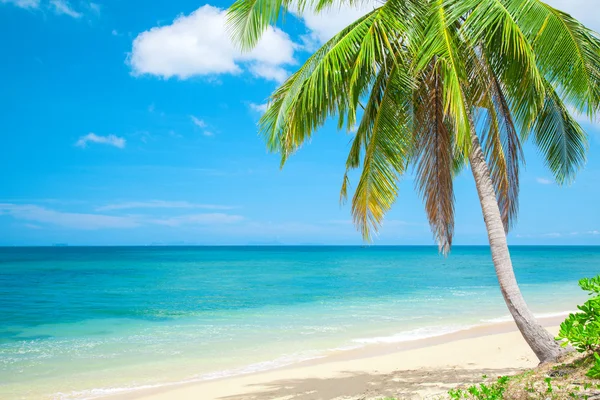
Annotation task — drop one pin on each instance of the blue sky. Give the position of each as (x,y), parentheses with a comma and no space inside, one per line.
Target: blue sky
(130,122)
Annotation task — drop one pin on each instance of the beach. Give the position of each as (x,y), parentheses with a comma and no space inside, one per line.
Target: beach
(359,201)
(412,370)
(224,321)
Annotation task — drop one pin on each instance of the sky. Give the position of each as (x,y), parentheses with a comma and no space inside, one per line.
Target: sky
(134,123)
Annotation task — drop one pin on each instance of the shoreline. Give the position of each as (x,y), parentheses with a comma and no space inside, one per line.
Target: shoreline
(371,360)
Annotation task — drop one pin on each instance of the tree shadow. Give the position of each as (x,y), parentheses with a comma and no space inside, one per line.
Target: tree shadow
(405,384)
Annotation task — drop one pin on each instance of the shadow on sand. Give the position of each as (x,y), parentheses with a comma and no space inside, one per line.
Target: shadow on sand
(407,384)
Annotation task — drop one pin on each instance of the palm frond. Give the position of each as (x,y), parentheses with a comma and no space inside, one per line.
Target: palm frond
(435,159)
(560,138)
(443,47)
(567,53)
(385,134)
(361,136)
(248,19)
(490,25)
(331,82)
(500,141)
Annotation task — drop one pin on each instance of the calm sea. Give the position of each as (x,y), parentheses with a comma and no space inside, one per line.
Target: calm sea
(88,321)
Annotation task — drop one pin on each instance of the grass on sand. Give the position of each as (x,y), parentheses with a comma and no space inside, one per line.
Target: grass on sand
(564,380)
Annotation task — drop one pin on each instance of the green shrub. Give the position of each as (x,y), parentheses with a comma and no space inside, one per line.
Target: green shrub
(594,372)
(495,391)
(582,329)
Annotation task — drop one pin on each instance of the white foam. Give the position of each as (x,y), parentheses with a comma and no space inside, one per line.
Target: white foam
(505,318)
(508,318)
(264,366)
(415,334)
(435,331)
(252,368)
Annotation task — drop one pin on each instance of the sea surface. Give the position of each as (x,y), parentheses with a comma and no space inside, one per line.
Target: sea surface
(84,322)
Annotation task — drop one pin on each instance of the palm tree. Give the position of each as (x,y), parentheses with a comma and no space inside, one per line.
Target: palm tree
(438,85)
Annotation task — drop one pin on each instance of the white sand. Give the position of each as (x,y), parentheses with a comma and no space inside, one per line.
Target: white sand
(419,369)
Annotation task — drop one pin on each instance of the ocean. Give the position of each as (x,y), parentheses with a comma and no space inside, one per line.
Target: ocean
(84,322)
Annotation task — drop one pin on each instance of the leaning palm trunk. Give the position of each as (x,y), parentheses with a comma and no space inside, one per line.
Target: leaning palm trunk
(538,338)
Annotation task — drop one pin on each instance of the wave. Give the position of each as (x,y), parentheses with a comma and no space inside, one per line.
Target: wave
(280,362)
(264,366)
(435,331)
(415,334)
(508,318)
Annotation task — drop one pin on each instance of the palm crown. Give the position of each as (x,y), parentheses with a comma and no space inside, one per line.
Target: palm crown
(421,80)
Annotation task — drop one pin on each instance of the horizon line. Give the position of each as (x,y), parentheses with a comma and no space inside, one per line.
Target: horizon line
(66,245)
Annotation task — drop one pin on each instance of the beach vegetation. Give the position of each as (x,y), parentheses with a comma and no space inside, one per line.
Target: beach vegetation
(569,379)
(483,391)
(437,86)
(582,329)
(594,372)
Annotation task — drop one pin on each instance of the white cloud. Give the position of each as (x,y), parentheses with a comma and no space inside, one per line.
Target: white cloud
(198,122)
(32,226)
(29,212)
(260,108)
(270,72)
(23,3)
(95,8)
(201,124)
(579,117)
(59,7)
(544,181)
(593,233)
(161,204)
(199,45)
(324,25)
(88,221)
(583,10)
(63,7)
(552,235)
(586,233)
(110,140)
(556,235)
(199,219)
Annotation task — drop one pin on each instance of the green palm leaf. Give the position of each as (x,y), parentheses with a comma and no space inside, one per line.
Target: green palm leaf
(567,53)
(560,138)
(331,82)
(442,46)
(490,25)
(248,19)
(385,134)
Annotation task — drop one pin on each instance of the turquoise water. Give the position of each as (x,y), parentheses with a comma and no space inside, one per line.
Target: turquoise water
(86,322)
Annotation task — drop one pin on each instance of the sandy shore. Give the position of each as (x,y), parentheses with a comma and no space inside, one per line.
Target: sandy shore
(409,370)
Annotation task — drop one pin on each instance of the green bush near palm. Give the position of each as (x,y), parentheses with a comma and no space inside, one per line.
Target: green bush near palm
(582,329)
(594,372)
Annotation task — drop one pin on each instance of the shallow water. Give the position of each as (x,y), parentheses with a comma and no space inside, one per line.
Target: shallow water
(86,321)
